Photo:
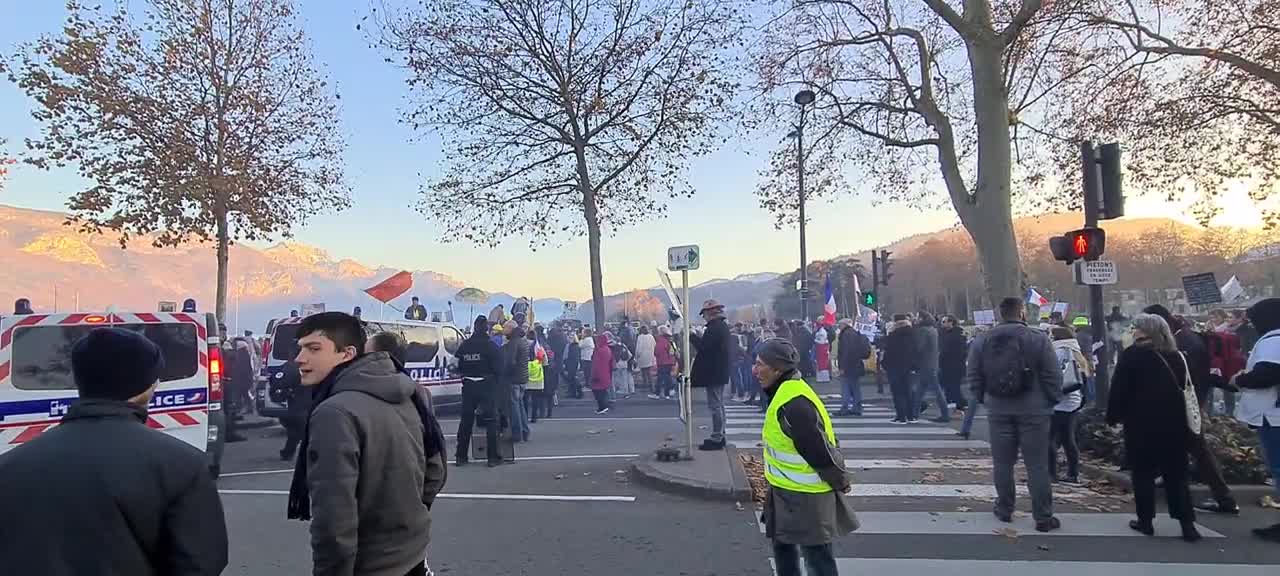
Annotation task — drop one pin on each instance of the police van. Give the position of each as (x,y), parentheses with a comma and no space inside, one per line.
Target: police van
(430,360)
(37,386)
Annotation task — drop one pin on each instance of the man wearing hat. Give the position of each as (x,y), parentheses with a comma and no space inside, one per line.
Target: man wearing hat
(805,508)
(103,493)
(711,365)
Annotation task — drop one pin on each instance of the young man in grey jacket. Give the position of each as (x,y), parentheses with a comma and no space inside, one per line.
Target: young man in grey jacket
(363,477)
(1019,397)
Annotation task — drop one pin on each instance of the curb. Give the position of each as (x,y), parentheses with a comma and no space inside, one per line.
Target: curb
(1122,480)
(644,472)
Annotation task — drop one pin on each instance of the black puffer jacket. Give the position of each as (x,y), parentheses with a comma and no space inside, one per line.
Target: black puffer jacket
(103,494)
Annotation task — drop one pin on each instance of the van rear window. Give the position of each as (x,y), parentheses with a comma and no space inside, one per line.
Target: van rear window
(42,354)
(284,342)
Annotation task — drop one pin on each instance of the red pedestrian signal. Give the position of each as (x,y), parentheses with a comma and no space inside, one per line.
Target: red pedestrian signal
(1080,245)
(1083,244)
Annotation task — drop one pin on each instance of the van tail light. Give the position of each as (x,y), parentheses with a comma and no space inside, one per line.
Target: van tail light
(266,351)
(215,374)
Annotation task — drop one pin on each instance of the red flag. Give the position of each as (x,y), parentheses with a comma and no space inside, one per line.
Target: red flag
(391,288)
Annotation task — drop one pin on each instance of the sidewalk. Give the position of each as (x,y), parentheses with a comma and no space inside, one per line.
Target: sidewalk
(711,475)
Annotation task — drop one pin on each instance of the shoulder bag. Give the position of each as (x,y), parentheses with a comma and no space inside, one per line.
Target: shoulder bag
(1190,403)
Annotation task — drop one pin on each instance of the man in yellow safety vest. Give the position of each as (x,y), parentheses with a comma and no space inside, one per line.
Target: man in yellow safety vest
(805,509)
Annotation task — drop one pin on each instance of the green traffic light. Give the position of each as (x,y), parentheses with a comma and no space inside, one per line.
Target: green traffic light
(869,299)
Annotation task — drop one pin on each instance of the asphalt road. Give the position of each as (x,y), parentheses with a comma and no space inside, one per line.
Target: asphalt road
(567,508)
(589,518)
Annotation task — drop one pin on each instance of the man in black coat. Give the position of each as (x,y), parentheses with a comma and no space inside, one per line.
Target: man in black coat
(953,350)
(854,349)
(900,361)
(711,365)
(102,493)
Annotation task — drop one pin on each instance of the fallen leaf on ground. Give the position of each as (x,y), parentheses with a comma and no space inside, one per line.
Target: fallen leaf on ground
(593,431)
(559,476)
(1009,533)
(586,473)
(964,509)
(738,506)
(1044,547)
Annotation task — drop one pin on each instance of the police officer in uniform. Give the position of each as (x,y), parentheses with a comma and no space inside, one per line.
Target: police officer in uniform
(479,362)
(805,509)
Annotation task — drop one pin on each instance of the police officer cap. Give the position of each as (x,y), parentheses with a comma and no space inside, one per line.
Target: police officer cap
(779,354)
(115,364)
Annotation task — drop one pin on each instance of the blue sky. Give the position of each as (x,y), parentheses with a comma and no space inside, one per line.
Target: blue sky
(386,161)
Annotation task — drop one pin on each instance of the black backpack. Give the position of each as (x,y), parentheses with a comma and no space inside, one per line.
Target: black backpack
(1004,368)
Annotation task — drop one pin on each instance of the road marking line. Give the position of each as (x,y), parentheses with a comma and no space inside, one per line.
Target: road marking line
(932,567)
(1073,524)
(464,496)
(870,431)
(957,444)
(518,459)
(918,464)
(980,491)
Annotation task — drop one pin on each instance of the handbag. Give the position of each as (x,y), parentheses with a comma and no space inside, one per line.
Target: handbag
(1190,403)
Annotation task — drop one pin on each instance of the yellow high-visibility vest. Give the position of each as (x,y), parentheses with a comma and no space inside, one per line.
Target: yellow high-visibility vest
(784,467)
(536,378)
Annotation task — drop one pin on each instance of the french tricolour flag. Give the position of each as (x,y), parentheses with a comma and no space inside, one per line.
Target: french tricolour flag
(1034,297)
(829,309)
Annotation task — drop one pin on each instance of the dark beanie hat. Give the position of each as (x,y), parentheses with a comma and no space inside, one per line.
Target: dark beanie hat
(1265,315)
(779,354)
(115,364)
(481,325)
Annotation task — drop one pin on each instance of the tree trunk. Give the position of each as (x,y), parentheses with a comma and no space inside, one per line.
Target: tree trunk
(990,218)
(592,215)
(223,249)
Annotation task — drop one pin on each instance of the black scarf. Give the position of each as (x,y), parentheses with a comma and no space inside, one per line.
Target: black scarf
(299,491)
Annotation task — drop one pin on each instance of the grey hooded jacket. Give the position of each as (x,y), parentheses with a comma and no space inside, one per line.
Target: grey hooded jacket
(369,480)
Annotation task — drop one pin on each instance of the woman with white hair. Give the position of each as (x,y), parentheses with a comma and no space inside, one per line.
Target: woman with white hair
(1148,396)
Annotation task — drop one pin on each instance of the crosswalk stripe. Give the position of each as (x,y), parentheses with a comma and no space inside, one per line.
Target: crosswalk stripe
(977,491)
(919,464)
(871,431)
(882,418)
(934,567)
(957,443)
(1073,524)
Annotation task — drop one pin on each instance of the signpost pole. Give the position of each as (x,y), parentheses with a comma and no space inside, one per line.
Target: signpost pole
(1097,317)
(687,384)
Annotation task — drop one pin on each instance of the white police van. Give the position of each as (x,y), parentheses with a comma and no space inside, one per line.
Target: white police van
(37,386)
(430,360)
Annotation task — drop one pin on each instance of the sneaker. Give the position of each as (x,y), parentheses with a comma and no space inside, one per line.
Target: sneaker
(1270,533)
(1048,525)
(1226,507)
(654,397)
(1070,479)
(940,420)
(897,421)
(913,420)
(603,411)
(964,435)
(460,463)
(1005,517)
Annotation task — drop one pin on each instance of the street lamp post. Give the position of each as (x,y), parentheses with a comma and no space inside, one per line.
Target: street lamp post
(803,98)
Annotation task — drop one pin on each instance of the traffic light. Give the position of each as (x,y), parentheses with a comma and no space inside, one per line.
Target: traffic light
(1082,244)
(1112,178)
(869,300)
(885,264)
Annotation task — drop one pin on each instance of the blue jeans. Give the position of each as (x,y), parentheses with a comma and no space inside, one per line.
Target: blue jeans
(969,415)
(928,381)
(519,419)
(736,386)
(850,393)
(1269,436)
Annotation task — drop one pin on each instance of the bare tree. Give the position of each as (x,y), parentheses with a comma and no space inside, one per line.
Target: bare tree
(563,113)
(204,119)
(1201,103)
(5,162)
(917,98)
